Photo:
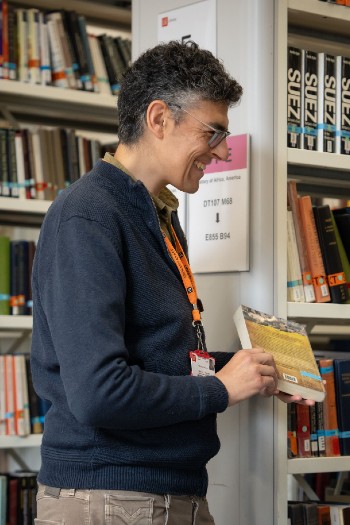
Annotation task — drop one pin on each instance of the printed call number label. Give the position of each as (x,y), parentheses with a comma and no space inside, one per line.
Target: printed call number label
(217,236)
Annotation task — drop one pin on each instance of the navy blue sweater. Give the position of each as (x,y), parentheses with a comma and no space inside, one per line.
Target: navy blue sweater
(111,335)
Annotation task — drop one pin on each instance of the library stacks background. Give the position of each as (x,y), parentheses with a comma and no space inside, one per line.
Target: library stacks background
(318,270)
(59,50)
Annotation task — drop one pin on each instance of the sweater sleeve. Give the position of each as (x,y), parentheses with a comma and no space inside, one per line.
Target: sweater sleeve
(83,298)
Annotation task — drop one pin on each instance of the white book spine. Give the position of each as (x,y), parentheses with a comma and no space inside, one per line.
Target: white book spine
(18,395)
(2,397)
(38,163)
(58,68)
(22,35)
(34,72)
(295,291)
(45,64)
(99,65)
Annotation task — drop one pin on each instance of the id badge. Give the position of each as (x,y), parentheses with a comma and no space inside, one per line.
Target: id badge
(202,364)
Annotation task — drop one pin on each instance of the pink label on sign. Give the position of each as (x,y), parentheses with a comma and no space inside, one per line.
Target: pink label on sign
(237,160)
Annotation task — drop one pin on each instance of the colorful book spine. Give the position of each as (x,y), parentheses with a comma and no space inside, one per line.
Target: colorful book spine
(330,409)
(313,250)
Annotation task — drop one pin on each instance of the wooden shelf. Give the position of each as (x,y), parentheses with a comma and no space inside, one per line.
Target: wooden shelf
(34,440)
(311,465)
(317,159)
(321,313)
(16,322)
(322,17)
(106,13)
(49,103)
(27,206)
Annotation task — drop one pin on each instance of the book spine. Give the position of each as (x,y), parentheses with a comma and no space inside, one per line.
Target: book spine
(3,424)
(330,409)
(22,36)
(343,106)
(313,431)
(9,396)
(59,77)
(333,265)
(310,100)
(327,107)
(343,256)
(12,39)
(294,98)
(4,275)
(321,438)
(292,194)
(45,63)
(303,431)
(295,291)
(34,71)
(342,395)
(4,67)
(313,250)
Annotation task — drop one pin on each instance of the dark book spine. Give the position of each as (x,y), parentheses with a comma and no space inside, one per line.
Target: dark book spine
(12,40)
(313,431)
(34,409)
(342,219)
(12,163)
(72,24)
(342,395)
(4,177)
(294,98)
(344,106)
(310,100)
(329,104)
(320,430)
(330,252)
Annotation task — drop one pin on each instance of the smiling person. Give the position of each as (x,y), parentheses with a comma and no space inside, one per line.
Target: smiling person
(118,345)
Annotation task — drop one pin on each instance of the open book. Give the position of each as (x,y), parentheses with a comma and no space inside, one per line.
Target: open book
(290,347)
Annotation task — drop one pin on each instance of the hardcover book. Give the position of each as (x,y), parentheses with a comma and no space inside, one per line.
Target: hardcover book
(330,252)
(310,100)
(343,97)
(294,98)
(290,347)
(330,417)
(342,396)
(327,102)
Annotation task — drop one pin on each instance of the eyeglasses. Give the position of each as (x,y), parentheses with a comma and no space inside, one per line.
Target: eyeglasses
(218,135)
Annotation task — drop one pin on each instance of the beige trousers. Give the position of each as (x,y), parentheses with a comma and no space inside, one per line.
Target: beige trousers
(114,507)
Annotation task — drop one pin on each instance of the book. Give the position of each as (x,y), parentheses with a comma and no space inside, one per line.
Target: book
(327,81)
(4,275)
(295,290)
(3,423)
(343,105)
(330,252)
(313,248)
(290,347)
(330,409)
(310,513)
(292,430)
(342,219)
(343,256)
(295,513)
(313,430)
(342,397)
(324,516)
(310,100)
(321,439)
(294,98)
(303,431)
(3,499)
(293,202)
(34,71)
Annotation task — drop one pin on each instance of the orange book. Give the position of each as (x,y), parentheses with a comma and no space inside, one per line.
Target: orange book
(324,515)
(330,409)
(313,249)
(303,431)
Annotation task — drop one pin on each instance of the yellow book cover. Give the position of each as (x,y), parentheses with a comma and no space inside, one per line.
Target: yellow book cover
(290,347)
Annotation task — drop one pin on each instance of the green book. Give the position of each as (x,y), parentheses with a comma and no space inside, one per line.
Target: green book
(4,275)
(343,256)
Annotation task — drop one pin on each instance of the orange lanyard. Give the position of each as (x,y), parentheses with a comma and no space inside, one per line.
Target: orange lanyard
(178,256)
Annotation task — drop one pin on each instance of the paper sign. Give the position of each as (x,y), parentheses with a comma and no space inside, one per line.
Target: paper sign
(218,226)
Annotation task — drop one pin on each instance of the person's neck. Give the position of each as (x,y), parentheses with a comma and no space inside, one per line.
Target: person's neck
(142,165)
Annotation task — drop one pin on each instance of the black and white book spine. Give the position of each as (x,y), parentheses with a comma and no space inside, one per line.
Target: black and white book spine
(59,76)
(343,105)
(310,105)
(327,103)
(294,98)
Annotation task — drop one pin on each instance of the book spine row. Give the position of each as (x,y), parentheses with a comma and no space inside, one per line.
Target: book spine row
(323,429)
(318,251)
(318,95)
(38,163)
(317,513)
(18,492)
(22,412)
(57,48)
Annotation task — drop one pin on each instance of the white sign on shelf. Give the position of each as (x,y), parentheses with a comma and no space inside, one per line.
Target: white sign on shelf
(195,22)
(218,226)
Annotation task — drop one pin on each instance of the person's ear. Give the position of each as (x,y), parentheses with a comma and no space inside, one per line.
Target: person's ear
(156,117)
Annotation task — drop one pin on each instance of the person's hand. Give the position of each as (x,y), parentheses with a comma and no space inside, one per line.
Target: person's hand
(287,398)
(249,372)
